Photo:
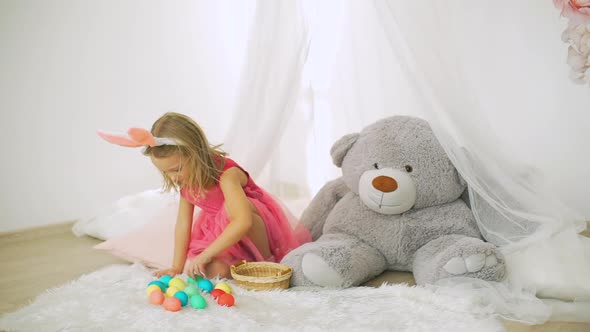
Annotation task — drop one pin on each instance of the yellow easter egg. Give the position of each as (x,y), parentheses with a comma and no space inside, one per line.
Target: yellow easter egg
(152,288)
(224,287)
(178,283)
(171,291)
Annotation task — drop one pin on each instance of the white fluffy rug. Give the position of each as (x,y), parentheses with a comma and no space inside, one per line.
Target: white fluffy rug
(114,299)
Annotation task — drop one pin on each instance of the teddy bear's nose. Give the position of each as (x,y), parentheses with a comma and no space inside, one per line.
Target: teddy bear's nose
(385,184)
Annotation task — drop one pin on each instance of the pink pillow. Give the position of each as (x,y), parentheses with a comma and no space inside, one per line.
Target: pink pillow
(151,245)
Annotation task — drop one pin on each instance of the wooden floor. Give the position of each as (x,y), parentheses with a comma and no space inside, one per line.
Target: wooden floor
(34,260)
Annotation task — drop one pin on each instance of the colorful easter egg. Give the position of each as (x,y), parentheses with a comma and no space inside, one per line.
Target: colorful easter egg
(205,285)
(224,287)
(178,283)
(191,290)
(216,293)
(198,302)
(172,304)
(159,284)
(182,297)
(165,279)
(152,288)
(157,297)
(195,280)
(171,291)
(226,300)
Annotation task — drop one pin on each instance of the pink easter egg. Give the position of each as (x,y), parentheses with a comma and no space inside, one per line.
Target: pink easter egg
(172,304)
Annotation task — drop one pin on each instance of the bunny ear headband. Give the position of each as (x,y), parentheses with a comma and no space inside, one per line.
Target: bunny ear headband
(136,137)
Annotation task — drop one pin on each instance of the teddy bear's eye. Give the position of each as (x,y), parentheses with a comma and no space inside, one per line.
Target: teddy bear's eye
(376,166)
(409,168)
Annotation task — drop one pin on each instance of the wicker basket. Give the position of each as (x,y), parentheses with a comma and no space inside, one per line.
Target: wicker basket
(261,275)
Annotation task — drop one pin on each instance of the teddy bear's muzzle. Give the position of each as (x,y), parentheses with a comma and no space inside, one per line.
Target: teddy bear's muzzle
(387,190)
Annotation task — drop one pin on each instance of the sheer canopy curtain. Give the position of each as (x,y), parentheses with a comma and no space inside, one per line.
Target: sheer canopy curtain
(492,81)
(349,80)
(270,82)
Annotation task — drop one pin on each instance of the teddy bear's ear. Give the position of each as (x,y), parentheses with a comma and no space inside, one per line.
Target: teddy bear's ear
(341,147)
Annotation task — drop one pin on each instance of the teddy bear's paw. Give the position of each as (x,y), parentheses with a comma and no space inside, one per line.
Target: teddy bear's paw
(318,271)
(470,264)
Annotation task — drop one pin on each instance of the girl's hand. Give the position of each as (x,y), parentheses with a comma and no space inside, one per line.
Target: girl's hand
(198,265)
(171,272)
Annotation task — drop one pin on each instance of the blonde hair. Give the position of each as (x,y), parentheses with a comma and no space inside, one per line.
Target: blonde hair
(204,161)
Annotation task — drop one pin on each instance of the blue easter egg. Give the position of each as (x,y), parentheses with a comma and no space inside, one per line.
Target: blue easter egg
(205,285)
(165,279)
(182,297)
(159,284)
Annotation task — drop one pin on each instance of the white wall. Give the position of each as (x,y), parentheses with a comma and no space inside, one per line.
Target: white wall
(68,68)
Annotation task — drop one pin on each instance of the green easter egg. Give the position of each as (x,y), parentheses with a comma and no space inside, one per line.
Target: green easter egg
(198,302)
(194,281)
(191,290)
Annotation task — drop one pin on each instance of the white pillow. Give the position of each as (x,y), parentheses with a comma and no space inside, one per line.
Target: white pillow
(557,267)
(128,214)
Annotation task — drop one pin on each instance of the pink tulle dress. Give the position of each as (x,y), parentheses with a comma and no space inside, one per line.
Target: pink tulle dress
(213,219)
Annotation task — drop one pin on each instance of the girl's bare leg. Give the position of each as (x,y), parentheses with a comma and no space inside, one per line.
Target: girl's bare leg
(257,233)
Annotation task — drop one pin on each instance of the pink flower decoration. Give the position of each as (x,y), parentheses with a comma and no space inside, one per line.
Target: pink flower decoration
(577,35)
(578,11)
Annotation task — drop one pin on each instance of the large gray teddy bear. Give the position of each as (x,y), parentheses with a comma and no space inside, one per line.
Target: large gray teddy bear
(397,207)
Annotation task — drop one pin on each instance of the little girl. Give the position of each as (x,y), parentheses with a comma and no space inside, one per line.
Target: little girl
(238,220)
